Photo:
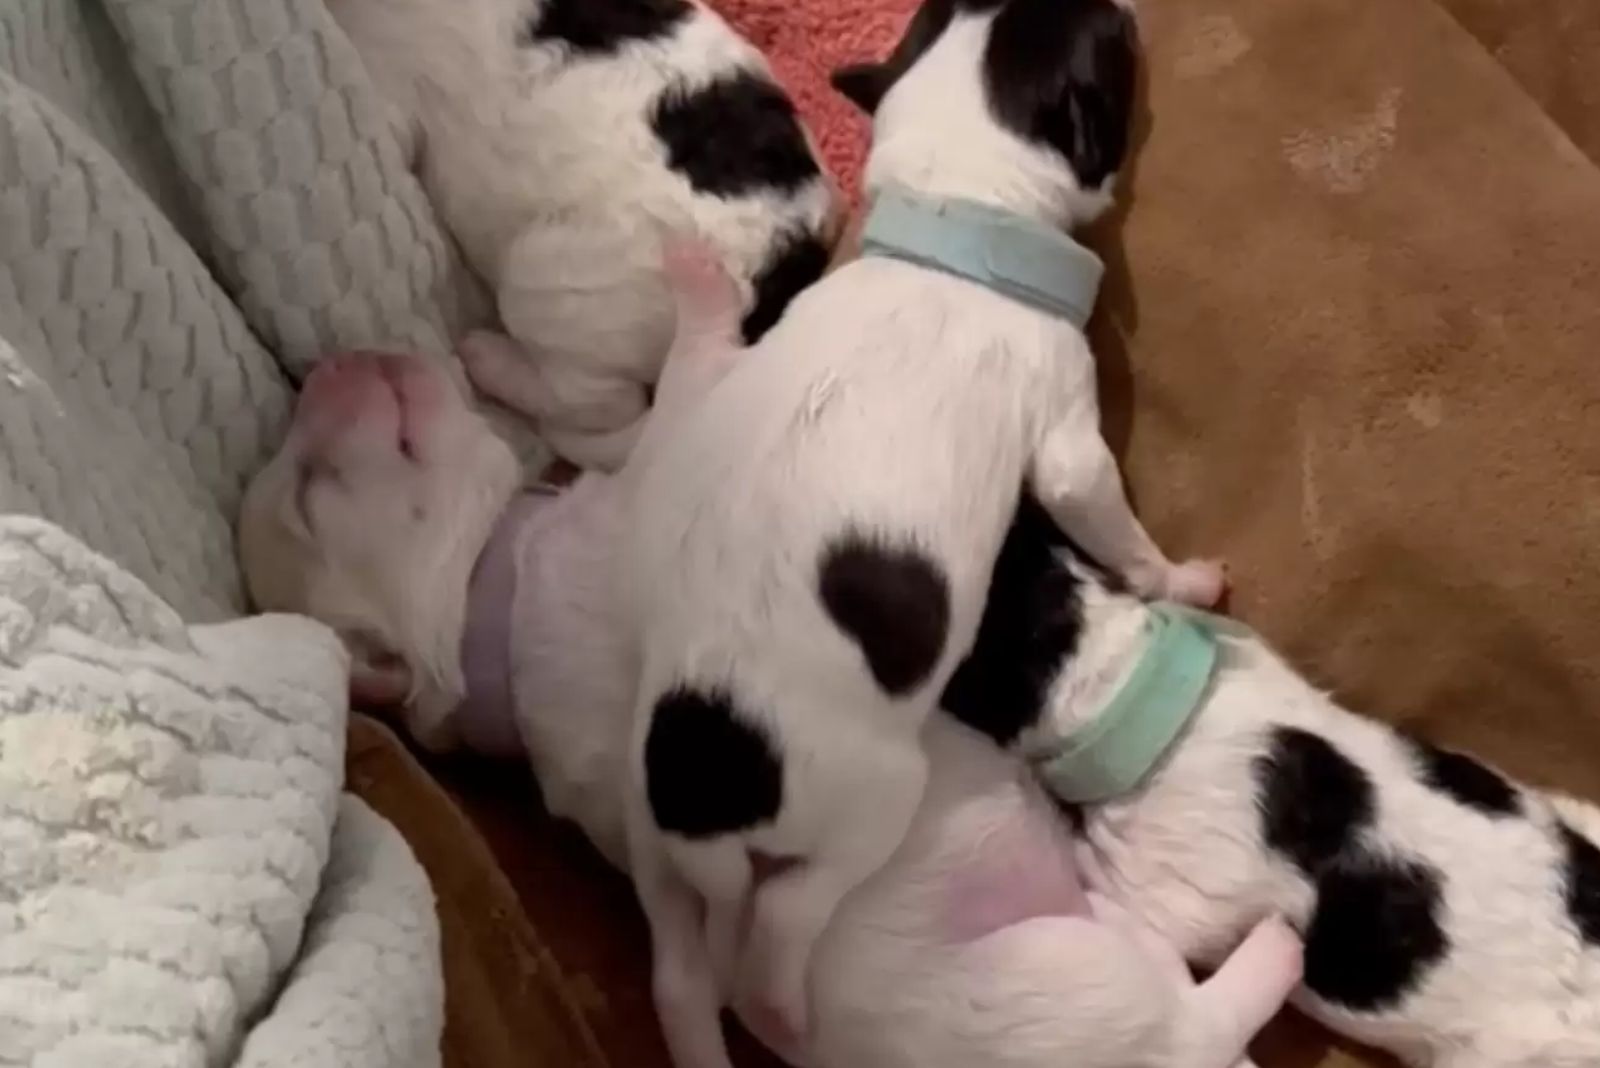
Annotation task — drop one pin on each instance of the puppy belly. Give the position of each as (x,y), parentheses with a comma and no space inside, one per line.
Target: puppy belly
(1013,876)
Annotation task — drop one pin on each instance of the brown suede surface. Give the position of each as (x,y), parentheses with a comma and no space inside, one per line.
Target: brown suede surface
(1553,48)
(1349,342)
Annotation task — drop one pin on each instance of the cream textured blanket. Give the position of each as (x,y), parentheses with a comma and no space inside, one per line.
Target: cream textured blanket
(197,198)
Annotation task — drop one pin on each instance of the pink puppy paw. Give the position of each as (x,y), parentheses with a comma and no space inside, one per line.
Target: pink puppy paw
(488,358)
(702,287)
(1199,583)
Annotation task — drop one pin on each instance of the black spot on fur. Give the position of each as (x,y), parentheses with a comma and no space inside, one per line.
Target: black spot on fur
(738,134)
(1465,781)
(1030,628)
(1580,875)
(1063,74)
(708,769)
(1376,932)
(893,601)
(602,26)
(1314,800)
(798,260)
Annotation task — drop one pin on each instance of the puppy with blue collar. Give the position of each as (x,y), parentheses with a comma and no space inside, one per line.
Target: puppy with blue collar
(810,552)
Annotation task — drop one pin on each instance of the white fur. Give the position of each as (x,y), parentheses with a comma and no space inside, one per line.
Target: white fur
(955,954)
(547,172)
(307,531)
(891,399)
(1519,987)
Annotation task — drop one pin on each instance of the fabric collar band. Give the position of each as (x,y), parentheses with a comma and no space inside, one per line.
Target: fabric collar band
(1113,754)
(1022,259)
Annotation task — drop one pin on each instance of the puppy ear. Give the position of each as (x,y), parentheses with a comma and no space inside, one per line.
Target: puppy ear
(1065,75)
(379,679)
(863,84)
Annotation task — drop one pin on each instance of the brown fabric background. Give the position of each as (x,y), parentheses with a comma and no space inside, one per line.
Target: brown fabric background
(1553,48)
(1349,342)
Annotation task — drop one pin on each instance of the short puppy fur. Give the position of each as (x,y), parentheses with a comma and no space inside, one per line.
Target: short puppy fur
(975,945)
(1451,916)
(557,139)
(810,552)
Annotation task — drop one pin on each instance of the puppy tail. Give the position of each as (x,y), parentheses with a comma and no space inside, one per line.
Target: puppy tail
(1225,1012)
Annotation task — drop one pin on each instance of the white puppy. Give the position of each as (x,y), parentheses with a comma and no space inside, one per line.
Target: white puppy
(1450,915)
(556,138)
(810,552)
(976,945)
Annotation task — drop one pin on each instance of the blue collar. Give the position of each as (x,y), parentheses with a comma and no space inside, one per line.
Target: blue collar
(1025,260)
(1113,754)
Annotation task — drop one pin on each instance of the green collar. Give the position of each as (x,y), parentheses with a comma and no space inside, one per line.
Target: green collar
(1025,260)
(1113,754)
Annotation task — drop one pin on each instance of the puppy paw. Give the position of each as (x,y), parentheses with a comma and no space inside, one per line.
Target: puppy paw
(774,1029)
(705,292)
(1198,583)
(489,359)
(1282,949)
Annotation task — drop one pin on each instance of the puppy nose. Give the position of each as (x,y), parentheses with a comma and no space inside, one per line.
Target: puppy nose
(338,370)
(334,394)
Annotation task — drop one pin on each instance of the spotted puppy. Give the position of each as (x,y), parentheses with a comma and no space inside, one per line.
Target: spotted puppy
(810,551)
(392,513)
(1451,916)
(556,139)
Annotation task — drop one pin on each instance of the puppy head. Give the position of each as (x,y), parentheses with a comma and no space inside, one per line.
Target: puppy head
(1028,103)
(371,518)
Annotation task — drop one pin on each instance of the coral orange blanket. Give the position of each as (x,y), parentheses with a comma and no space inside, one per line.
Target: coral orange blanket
(806,39)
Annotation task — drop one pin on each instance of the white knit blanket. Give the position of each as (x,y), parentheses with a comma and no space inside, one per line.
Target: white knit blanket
(169,802)
(197,199)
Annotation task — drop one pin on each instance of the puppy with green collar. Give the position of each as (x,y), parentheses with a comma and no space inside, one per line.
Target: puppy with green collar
(810,549)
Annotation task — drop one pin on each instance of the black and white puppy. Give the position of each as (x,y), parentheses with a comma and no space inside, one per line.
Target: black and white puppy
(810,553)
(557,139)
(1451,916)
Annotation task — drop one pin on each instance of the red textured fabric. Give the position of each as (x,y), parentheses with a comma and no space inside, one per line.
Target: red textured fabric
(806,40)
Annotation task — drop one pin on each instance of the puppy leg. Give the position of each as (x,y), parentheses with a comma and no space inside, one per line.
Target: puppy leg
(706,342)
(589,418)
(1161,953)
(792,909)
(687,999)
(1076,479)
(1250,988)
(1158,952)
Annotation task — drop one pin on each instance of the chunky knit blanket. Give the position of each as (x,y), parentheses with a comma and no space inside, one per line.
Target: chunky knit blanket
(197,197)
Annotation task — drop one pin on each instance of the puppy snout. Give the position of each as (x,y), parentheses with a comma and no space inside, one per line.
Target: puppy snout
(341,391)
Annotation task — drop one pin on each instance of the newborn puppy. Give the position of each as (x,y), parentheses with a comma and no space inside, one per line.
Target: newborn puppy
(556,139)
(1451,916)
(810,552)
(975,945)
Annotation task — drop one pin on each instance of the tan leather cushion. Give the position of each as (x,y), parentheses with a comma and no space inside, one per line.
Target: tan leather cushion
(508,1004)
